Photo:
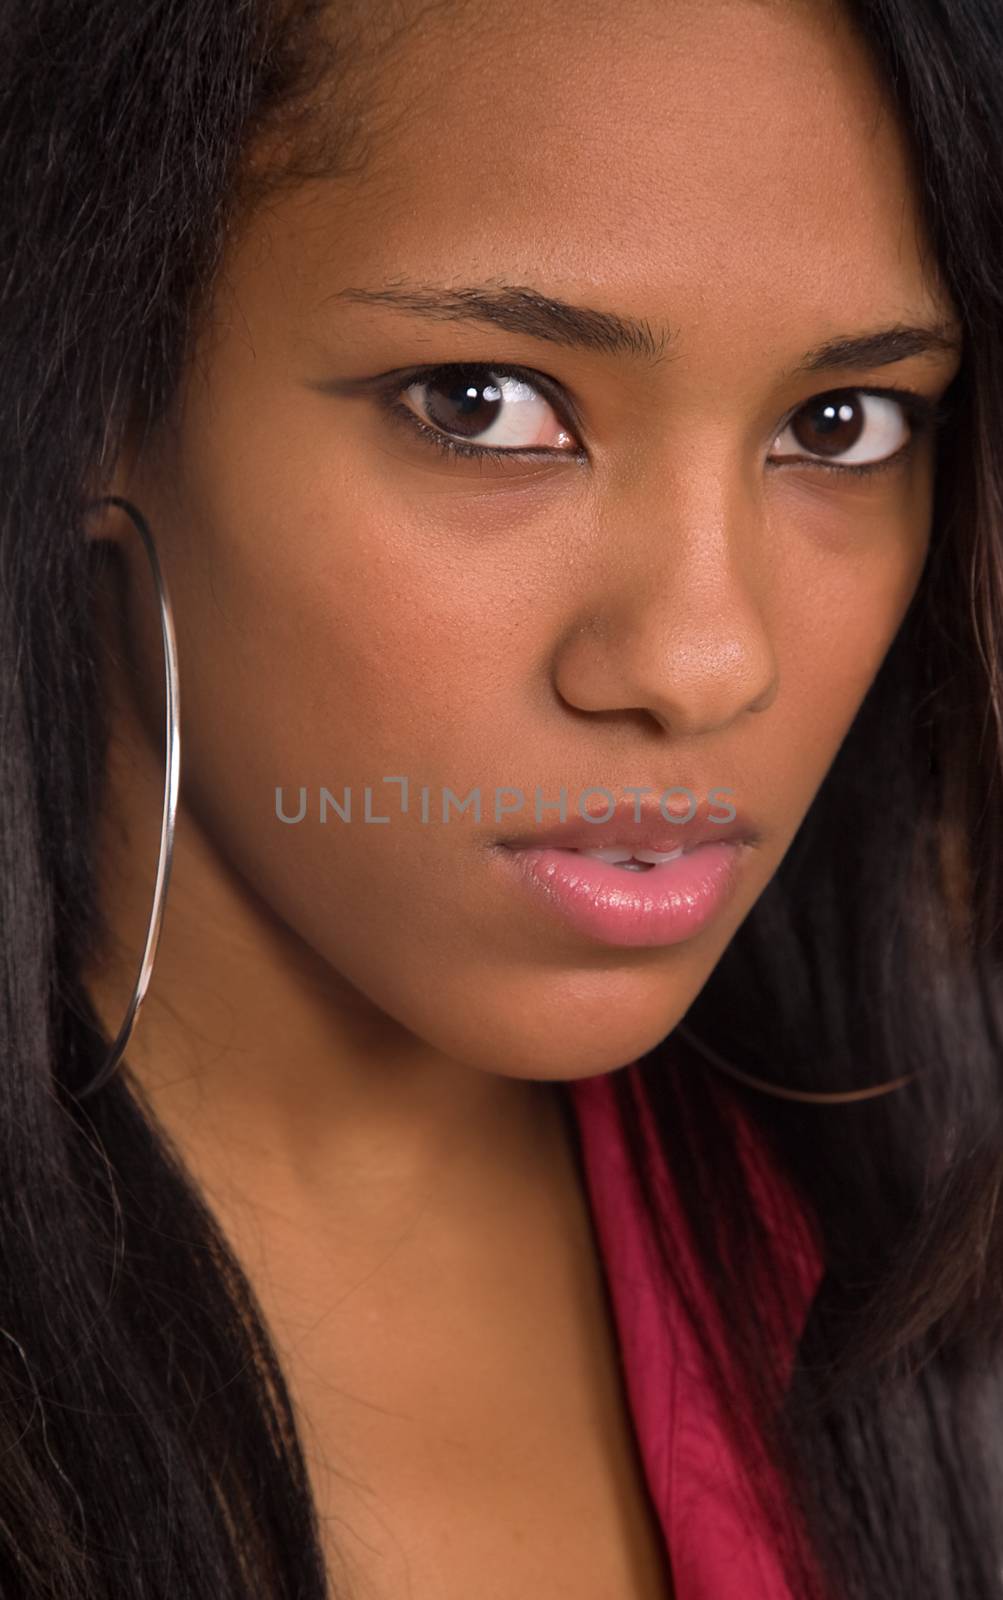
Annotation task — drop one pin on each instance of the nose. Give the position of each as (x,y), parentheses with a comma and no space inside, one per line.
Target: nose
(672,620)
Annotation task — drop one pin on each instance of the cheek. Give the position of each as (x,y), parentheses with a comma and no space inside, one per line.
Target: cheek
(337,654)
(845,592)
(863,609)
(329,649)
(846,565)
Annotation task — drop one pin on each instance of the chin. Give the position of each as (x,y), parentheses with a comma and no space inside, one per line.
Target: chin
(561,1030)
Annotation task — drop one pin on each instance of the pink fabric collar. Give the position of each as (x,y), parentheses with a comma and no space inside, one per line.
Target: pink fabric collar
(716,1549)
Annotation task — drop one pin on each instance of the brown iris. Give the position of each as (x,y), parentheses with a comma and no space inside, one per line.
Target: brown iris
(467,405)
(829,424)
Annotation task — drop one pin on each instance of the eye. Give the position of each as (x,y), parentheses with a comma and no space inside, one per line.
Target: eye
(486,412)
(858,430)
(478,410)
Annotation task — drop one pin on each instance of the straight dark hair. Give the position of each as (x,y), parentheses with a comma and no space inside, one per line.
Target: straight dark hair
(149,1445)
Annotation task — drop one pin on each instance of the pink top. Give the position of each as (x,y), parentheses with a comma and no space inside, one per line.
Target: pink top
(715,1549)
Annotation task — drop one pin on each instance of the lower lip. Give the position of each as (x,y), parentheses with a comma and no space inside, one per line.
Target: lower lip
(620,906)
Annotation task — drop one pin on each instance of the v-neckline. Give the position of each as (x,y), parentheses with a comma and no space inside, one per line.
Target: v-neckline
(715,1547)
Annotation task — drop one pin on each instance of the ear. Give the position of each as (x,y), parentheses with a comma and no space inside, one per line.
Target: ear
(100,520)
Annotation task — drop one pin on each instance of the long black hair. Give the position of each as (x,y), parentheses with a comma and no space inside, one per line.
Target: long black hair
(147,1438)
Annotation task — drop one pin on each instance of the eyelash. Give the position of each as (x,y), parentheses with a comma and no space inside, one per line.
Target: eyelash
(923,415)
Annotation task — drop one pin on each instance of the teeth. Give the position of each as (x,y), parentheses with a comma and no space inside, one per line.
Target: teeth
(621,854)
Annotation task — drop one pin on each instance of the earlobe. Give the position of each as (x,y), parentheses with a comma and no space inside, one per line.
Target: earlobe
(102,518)
(101,521)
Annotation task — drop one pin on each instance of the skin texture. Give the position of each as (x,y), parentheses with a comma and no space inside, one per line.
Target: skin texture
(354,1024)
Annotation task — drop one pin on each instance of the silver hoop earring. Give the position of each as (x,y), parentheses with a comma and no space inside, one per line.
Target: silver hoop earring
(812,1097)
(172,774)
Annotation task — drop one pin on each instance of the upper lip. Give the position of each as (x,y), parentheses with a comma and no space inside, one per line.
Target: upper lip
(644,827)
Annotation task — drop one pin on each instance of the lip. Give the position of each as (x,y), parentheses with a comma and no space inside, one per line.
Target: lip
(645,827)
(615,905)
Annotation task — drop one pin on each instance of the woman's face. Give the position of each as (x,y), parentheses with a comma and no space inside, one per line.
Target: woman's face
(660,584)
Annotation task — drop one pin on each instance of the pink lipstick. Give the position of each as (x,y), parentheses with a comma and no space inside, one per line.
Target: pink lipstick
(632,881)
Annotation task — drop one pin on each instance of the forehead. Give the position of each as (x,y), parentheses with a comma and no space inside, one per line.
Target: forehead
(682,158)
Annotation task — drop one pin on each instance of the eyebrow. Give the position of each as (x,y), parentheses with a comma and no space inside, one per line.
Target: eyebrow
(880,348)
(524,310)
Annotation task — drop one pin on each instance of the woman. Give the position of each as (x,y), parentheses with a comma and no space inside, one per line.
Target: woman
(536,407)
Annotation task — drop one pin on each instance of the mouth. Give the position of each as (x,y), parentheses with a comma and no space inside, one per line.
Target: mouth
(597,893)
(631,859)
